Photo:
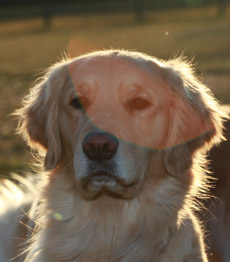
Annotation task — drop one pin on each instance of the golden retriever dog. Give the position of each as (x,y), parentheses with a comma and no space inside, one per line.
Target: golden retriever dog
(124,137)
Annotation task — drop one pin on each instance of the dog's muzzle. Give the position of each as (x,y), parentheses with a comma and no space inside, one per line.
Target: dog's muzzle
(102,177)
(100,149)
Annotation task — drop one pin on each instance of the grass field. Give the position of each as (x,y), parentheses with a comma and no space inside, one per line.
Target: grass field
(26,49)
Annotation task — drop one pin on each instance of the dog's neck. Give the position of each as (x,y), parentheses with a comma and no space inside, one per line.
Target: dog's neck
(102,229)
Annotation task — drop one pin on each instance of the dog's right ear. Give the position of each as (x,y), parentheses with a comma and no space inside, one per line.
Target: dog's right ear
(38,118)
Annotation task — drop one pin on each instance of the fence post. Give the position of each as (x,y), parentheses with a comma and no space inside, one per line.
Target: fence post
(222,7)
(139,8)
(47,14)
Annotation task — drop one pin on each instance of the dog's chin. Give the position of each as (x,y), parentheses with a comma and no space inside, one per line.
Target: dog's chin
(94,189)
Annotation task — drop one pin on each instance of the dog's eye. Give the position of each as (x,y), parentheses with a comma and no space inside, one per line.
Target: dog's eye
(77,103)
(138,104)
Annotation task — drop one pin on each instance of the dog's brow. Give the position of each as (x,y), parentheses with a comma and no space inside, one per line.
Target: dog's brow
(83,87)
(130,88)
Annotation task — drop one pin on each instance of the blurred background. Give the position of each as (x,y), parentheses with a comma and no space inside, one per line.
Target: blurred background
(35,34)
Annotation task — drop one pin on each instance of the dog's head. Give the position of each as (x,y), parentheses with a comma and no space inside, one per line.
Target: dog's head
(108,114)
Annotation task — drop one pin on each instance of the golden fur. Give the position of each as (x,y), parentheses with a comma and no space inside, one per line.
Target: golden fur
(163,119)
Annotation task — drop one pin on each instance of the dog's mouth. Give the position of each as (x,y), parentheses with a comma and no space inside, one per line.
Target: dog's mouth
(106,183)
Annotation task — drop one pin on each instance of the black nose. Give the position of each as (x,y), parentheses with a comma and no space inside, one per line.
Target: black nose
(100,146)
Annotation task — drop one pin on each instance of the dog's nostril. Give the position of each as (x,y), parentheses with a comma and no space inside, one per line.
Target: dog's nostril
(100,146)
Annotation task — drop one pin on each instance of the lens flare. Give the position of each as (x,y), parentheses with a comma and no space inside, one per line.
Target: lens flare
(57,216)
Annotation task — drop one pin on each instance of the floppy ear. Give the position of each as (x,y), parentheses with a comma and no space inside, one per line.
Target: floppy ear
(38,118)
(195,121)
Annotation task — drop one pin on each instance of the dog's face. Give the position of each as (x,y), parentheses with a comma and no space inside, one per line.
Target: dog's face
(108,114)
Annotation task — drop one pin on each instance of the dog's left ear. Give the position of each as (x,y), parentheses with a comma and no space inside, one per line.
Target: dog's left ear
(195,119)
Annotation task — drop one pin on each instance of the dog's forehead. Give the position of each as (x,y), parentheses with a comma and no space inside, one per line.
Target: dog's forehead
(111,68)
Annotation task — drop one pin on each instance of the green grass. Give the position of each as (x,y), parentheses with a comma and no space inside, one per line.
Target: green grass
(26,49)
